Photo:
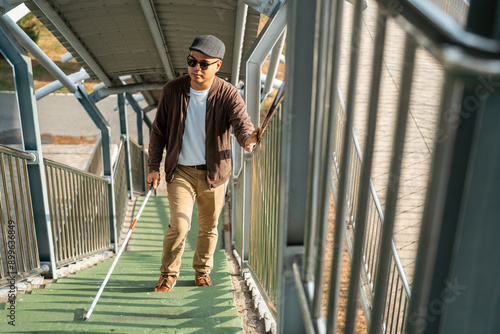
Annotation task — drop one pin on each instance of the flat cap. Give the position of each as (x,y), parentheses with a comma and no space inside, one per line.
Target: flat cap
(209,45)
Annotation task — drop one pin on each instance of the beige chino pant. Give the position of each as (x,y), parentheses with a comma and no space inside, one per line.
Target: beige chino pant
(190,185)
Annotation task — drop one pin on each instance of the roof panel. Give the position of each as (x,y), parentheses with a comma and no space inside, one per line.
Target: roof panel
(117,36)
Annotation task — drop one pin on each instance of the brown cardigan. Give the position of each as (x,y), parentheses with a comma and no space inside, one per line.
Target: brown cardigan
(225,108)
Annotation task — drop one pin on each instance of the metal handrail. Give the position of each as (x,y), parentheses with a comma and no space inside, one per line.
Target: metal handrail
(263,236)
(457,9)
(78,206)
(18,244)
(49,162)
(16,153)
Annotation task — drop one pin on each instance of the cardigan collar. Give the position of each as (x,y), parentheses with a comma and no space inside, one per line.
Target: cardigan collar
(215,85)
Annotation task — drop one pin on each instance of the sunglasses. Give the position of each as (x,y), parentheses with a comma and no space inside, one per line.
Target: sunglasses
(203,65)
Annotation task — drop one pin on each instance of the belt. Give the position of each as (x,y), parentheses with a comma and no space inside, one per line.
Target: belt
(199,167)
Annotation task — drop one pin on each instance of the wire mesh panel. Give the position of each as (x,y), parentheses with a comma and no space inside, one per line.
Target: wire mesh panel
(18,245)
(78,205)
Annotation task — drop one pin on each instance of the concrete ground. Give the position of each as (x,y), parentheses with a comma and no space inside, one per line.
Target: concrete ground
(63,115)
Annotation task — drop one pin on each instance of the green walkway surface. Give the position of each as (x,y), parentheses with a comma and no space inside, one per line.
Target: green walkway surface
(128,303)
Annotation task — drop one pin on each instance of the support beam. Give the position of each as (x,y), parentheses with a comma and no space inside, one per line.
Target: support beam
(56,85)
(455,288)
(148,8)
(102,93)
(35,50)
(301,18)
(25,91)
(75,42)
(274,61)
(270,34)
(148,122)
(137,98)
(239,37)
(124,133)
(147,94)
(107,164)
(140,138)
(66,57)
(266,7)
(16,13)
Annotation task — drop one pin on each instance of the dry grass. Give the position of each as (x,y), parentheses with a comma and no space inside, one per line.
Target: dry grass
(54,49)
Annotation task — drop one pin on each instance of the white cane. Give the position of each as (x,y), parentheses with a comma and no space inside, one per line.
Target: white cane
(96,299)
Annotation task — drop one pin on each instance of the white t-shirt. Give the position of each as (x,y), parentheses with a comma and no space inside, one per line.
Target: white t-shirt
(193,139)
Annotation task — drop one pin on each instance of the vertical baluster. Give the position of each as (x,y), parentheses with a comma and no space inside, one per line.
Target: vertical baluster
(23,236)
(89,221)
(364,187)
(76,215)
(71,218)
(19,244)
(393,186)
(314,232)
(34,258)
(4,222)
(81,212)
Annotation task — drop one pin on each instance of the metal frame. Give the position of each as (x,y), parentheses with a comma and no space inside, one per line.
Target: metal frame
(268,37)
(107,167)
(140,137)
(35,50)
(241,20)
(293,175)
(25,93)
(266,7)
(124,133)
(102,93)
(63,28)
(56,85)
(148,7)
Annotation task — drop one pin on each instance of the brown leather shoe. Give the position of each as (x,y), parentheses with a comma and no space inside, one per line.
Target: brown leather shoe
(202,279)
(165,283)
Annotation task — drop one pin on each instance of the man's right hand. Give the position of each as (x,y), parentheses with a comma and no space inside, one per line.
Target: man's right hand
(154,178)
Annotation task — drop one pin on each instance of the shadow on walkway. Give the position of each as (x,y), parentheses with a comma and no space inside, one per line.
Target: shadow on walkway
(128,303)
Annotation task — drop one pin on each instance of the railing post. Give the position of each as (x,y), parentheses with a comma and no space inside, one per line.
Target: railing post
(23,76)
(140,138)
(124,132)
(295,136)
(270,35)
(107,164)
(456,269)
(247,187)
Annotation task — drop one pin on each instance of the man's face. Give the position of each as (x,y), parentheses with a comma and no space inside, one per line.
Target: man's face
(202,79)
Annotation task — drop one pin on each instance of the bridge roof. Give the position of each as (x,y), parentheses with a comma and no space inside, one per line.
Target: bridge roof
(116,38)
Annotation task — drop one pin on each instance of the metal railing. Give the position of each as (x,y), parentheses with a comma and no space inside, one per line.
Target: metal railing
(457,9)
(94,164)
(78,206)
(18,244)
(263,234)
(138,160)
(120,184)
(398,293)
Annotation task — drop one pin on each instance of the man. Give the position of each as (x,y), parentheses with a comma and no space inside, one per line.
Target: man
(193,121)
